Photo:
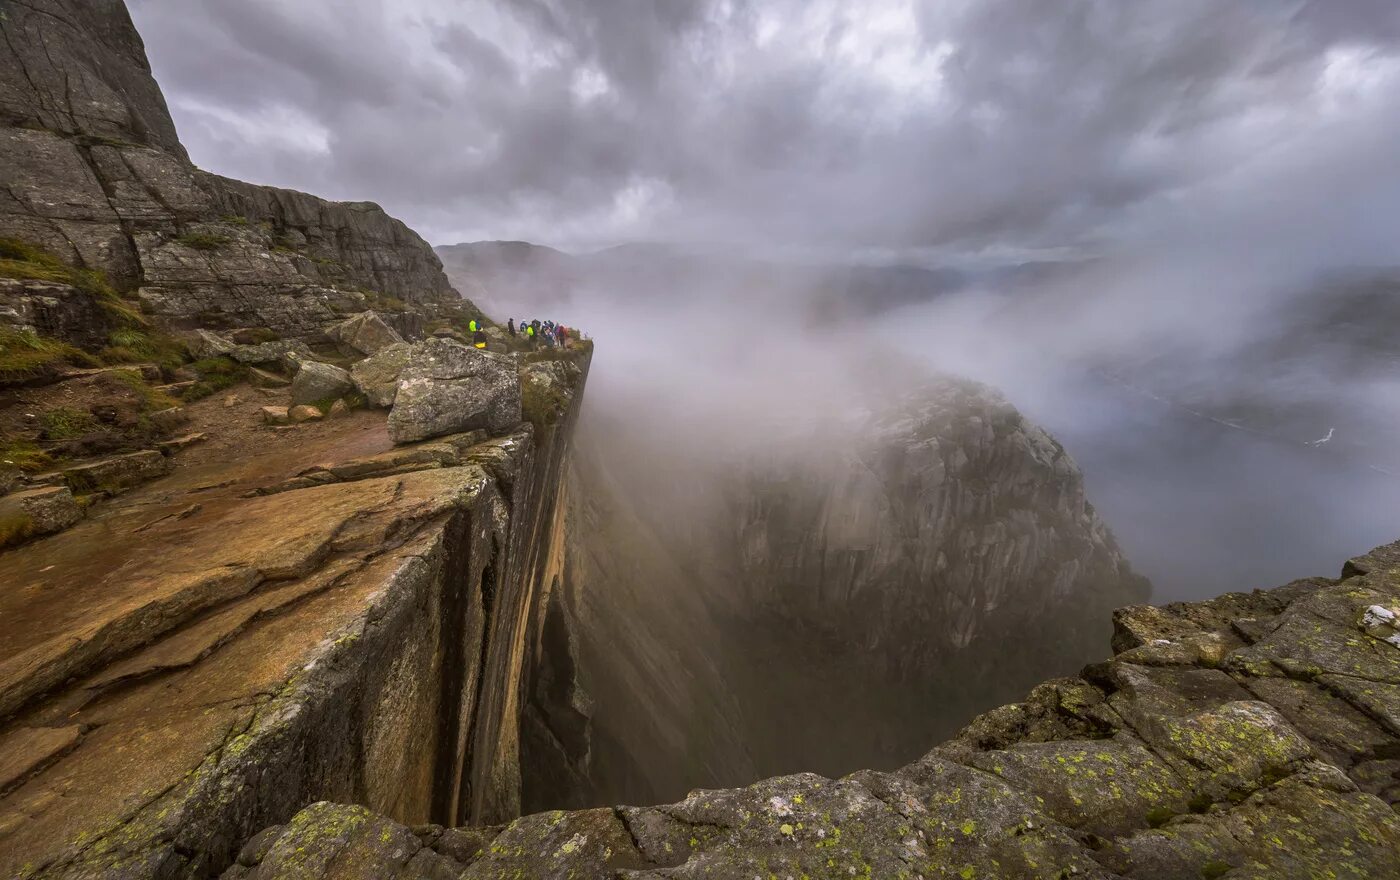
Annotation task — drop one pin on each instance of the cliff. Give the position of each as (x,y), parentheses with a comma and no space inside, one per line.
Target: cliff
(210,652)
(228,586)
(95,174)
(839,599)
(1254,735)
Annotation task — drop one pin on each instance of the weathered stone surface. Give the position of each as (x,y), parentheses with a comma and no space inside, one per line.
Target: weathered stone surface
(118,473)
(316,381)
(304,413)
(448,388)
(232,659)
(56,310)
(366,333)
(275,415)
(25,750)
(94,172)
(206,344)
(1178,771)
(276,352)
(377,376)
(40,511)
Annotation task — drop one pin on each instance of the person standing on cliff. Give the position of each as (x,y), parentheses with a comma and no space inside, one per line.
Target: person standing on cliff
(510,325)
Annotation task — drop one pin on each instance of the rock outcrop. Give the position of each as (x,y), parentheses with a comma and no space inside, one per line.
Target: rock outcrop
(305,616)
(1254,735)
(94,173)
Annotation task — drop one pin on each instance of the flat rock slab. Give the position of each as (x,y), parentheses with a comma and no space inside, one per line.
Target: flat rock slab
(26,749)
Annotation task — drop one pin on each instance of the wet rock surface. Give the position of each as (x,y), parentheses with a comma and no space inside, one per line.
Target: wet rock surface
(1273,753)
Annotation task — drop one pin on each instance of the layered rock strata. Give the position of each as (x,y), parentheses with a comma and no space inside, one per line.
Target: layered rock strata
(322,615)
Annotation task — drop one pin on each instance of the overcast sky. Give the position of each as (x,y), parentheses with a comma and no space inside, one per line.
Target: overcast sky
(1003,126)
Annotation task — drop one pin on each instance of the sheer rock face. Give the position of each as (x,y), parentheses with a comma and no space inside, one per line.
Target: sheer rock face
(94,172)
(175,676)
(1254,735)
(840,603)
(951,521)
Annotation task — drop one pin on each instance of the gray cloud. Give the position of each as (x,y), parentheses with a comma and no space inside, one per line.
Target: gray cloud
(810,123)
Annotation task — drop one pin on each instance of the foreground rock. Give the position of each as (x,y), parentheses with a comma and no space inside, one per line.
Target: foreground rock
(1252,736)
(364,333)
(36,512)
(377,376)
(195,662)
(316,381)
(449,388)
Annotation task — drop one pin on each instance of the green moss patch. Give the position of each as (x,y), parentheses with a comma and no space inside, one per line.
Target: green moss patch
(66,423)
(19,259)
(215,374)
(15,528)
(25,355)
(24,455)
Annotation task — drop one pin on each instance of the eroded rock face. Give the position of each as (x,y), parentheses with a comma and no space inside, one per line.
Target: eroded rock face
(1253,735)
(448,388)
(94,172)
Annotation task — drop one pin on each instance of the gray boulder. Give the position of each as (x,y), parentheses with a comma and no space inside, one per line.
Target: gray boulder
(366,333)
(210,345)
(317,381)
(449,388)
(377,376)
(271,352)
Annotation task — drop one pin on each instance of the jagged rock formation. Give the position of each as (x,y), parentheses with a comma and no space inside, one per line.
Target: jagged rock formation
(309,616)
(94,172)
(1255,735)
(839,602)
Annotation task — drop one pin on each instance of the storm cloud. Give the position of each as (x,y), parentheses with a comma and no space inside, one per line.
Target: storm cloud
(999,126)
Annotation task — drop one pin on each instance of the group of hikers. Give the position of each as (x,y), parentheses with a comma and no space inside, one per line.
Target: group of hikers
(539,332)
(536,333)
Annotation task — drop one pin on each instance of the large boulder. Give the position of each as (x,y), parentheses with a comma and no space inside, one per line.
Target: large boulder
(366,333)
(377,376)
(449,388)
(317,381)
(37,512)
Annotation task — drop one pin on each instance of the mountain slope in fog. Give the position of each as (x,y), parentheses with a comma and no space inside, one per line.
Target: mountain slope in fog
(792,611)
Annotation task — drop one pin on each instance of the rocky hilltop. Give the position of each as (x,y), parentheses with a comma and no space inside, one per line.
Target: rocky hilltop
(95,174)
(1256,735)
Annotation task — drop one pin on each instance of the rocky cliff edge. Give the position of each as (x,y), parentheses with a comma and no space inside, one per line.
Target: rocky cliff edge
(1256,735)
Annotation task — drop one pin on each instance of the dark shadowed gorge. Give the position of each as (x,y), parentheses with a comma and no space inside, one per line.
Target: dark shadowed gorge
(311,566)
